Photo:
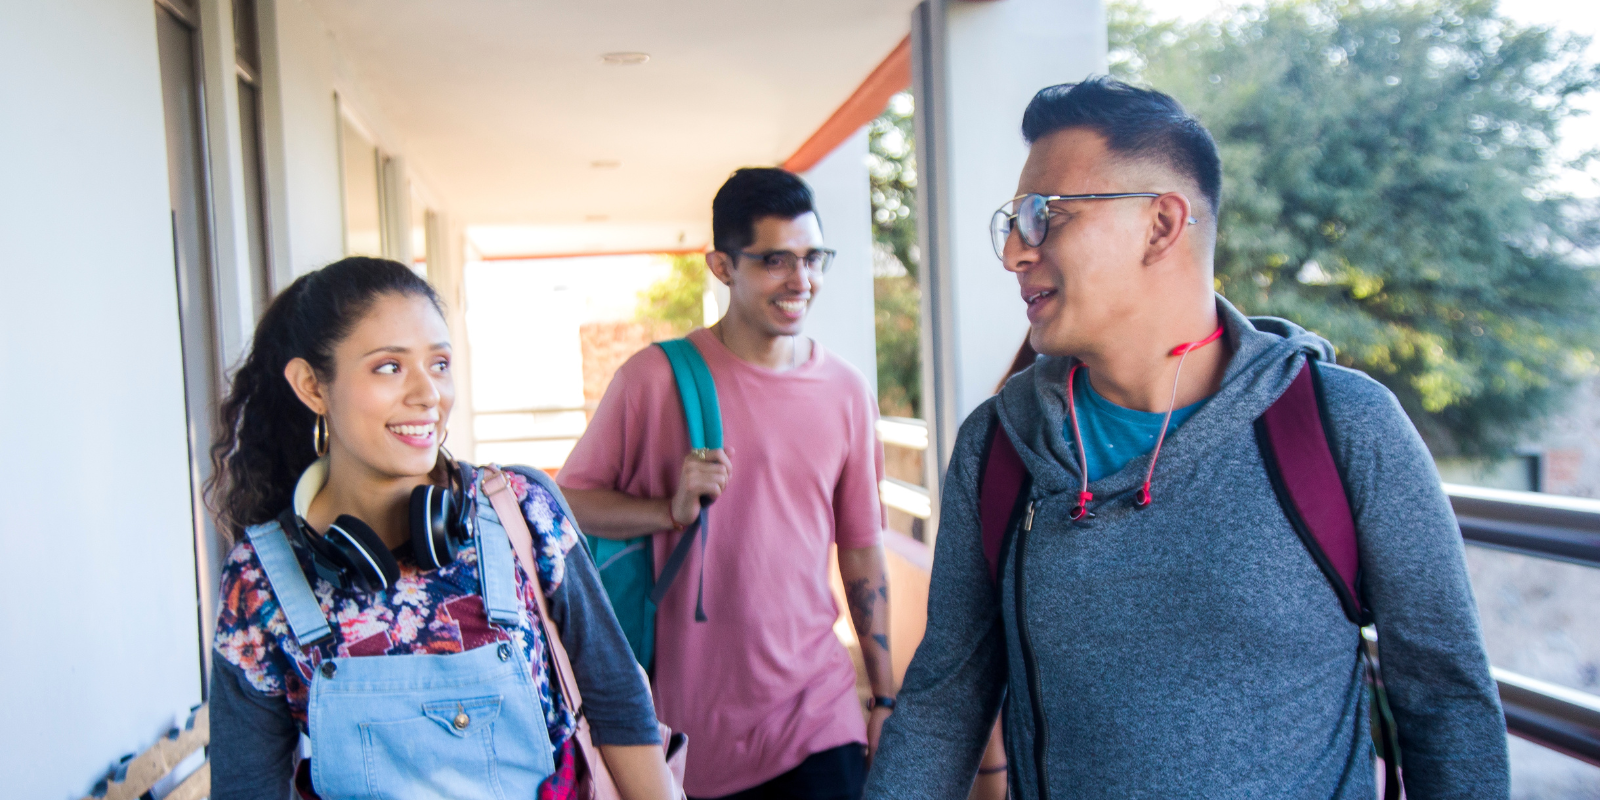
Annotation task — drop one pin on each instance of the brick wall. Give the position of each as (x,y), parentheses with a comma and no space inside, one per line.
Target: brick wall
(606,345)
(1570,446)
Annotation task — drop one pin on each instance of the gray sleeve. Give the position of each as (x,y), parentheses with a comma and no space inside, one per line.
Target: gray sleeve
(616,698)
(1414,578)
(253,738)
(932,743)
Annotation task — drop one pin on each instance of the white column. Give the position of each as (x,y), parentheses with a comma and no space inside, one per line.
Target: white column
(446,242)
(394,193)
(841,317)
(975,66)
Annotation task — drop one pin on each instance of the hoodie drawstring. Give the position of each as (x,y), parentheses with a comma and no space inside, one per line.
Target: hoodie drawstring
(1182,351)
(1084,495)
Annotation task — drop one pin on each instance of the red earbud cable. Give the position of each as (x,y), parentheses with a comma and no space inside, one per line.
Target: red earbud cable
(1182,351)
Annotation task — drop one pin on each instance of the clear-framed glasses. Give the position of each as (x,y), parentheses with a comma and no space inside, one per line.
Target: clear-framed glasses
(783,263)
(1030,214)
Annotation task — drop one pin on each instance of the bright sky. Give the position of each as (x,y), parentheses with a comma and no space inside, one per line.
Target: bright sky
(1575,16)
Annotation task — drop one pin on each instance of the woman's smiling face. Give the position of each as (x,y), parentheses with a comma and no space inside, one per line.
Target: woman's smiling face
(391,390)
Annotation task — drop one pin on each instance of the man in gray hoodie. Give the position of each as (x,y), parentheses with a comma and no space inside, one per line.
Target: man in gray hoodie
(1158,629)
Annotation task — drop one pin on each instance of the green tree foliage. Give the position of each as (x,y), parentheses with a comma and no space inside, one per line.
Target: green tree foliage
(897,310)
(892,168)
(678,299)
(1387,184)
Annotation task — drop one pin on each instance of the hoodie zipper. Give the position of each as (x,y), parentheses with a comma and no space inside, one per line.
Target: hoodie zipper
(1041,733)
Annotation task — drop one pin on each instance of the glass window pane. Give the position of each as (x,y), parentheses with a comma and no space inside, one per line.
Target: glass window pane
(246,44)
(255,205)
(362,214)
(178,46)
(419,234)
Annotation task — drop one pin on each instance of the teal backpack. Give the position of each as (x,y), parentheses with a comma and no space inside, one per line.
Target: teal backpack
(627,569)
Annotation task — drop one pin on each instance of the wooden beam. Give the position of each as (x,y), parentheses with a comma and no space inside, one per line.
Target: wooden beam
(866,103)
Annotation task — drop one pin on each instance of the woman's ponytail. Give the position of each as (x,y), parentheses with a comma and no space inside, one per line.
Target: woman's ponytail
(264,439)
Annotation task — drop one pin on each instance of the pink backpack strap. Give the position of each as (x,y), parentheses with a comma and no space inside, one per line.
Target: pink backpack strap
(1294,445)
(1002,492)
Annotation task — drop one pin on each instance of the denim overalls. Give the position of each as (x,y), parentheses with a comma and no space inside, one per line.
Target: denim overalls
(463,726)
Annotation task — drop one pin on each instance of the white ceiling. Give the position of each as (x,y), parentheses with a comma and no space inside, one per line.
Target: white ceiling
(504,104)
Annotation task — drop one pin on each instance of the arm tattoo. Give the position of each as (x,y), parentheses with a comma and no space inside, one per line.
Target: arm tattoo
(863,600)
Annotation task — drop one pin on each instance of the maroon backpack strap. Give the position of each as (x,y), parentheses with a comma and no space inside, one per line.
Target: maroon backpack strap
(1002,488)
(1294,446)
(1293,437)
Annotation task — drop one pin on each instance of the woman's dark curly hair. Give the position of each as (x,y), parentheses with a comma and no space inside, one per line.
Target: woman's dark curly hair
(265,438)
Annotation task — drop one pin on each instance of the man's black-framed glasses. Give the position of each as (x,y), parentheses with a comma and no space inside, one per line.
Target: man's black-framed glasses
(783,263)
(1030,214)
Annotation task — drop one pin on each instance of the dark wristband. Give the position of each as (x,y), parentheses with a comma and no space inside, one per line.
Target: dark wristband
(878,701)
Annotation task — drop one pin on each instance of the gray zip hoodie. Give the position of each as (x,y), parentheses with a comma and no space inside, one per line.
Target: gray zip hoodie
(1193,648)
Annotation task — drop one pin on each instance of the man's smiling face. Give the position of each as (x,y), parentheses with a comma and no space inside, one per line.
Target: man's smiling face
(1087,276)
(776,306)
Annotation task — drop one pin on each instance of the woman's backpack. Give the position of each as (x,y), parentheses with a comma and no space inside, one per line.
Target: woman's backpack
(627,568)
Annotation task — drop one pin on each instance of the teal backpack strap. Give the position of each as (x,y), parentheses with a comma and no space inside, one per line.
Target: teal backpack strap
(697,391)
(626,567)
(704,420)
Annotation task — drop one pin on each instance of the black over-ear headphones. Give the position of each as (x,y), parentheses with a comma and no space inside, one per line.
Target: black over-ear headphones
(350,553)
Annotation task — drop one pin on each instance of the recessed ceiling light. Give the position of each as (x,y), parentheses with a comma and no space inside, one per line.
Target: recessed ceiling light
(624,59)
(605,163)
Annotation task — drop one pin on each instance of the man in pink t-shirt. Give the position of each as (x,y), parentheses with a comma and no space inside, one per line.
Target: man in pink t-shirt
(763,687)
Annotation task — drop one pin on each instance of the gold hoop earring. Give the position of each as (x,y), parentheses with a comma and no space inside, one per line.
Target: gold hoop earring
(319,436)
(445,459)
(444,468)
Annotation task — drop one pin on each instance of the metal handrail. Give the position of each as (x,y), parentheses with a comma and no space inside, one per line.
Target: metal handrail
(537,410)
(1530,523)
(548,437)
(1545,526)
(1551,527)
(1562,719)
(554,437)
(907,497)
(904,432)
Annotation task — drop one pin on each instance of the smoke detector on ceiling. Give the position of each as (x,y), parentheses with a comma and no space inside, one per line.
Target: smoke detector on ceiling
(624,59)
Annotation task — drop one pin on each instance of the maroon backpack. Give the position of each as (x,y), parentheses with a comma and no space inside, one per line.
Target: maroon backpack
(1294,445)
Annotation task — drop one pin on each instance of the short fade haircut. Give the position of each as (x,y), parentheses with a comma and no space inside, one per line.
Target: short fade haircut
(752,193)
(1138,124)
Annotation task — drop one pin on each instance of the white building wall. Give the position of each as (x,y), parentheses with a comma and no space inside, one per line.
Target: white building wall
(300,77)
(97,608)
(842,316)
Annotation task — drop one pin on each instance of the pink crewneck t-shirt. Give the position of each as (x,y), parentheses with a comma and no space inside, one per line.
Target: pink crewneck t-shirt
(763,683)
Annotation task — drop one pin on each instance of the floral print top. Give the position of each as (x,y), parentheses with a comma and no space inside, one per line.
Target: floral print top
(424,612)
